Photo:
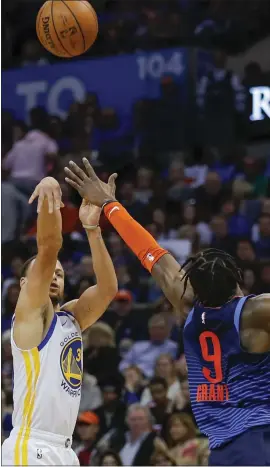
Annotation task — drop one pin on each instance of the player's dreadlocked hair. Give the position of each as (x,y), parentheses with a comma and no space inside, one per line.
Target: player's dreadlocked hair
(213,275)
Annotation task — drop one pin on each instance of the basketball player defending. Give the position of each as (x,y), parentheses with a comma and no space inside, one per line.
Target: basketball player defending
(226,335)
(46,340)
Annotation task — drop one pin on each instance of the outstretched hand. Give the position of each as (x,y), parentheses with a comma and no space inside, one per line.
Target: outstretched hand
(88,185)
(48,189)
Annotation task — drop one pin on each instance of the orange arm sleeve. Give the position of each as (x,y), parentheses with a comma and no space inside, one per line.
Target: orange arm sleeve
(143,245)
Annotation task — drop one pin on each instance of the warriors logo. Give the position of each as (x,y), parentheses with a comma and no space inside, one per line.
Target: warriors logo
(71,363)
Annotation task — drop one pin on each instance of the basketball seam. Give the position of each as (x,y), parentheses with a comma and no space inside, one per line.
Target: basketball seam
(69,54)
(91,9)
(84,44)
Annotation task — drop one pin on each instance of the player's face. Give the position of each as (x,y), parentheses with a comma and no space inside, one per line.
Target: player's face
(57,284)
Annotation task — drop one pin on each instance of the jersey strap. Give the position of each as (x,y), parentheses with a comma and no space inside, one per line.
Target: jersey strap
(49,333)
(238,311)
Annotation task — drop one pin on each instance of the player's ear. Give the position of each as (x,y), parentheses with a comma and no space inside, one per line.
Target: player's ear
(22,281)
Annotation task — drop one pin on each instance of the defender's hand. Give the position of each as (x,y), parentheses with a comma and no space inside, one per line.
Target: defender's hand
(88,185)
(48,188)
(89,214)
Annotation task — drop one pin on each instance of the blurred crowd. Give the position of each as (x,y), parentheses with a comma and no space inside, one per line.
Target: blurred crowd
(128,26)
(193,182)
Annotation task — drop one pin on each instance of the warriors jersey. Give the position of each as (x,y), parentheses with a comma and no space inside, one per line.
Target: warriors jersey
(47,380)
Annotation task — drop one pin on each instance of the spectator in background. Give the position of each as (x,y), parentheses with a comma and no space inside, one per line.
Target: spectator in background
(209,197)
(136,446)
(245,252)
(91,397)
(110,458)
(164,368)
(160,406)
(180,436)
(15,210)
(178,186)
(264,283)
(28,158)
(143,191)
(101,357)
(113,411)
(220,89)
(144,354)
(86,431)
(15,273)
(135,207)
(134,385)
(262,240)
(9,305)
(221,238)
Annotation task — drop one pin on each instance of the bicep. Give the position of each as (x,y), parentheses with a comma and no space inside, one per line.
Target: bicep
(90,307)
(169,276)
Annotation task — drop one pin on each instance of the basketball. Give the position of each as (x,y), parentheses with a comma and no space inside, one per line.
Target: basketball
(67,28)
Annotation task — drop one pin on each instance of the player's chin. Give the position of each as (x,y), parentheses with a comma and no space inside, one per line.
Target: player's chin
(54,295)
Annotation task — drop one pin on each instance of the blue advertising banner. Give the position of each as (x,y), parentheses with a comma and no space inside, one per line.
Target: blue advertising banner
(118,81)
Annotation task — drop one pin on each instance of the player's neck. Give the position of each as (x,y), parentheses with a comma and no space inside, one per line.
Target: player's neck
(56,307)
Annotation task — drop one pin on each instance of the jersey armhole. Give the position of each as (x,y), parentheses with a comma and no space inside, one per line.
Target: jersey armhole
(42,343)
(189,317)
(237,313)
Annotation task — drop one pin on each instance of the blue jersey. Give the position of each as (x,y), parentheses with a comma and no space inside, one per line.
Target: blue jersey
(229,387)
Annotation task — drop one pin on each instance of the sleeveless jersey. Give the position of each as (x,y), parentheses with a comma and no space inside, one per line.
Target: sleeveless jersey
(229,387)
(48,378)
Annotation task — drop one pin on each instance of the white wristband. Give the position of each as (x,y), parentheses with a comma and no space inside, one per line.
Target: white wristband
(90,227)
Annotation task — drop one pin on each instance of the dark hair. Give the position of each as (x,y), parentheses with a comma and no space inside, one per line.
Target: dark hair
(213,275)
(111,453)
(158,380)
(26,265)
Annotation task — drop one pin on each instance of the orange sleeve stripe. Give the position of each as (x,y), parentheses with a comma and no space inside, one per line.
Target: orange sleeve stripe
(143,245)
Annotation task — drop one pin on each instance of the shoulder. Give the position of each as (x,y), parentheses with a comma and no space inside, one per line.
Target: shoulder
(69,306)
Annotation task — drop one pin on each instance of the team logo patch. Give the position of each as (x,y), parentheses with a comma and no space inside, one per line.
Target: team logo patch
(71,362)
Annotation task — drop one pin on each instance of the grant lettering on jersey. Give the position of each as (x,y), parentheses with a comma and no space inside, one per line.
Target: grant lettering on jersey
(212,393)
(71,364)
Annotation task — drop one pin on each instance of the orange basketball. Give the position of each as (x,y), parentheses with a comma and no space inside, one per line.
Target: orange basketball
(67,28)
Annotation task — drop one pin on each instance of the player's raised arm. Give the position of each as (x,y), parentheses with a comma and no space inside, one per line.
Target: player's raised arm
(163,267)
(95,300)
(34,296)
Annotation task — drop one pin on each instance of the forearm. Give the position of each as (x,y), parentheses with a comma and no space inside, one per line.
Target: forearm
(141,242)
(49,228)
(102,263)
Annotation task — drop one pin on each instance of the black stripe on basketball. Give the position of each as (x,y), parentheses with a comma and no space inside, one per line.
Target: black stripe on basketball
(59,40)
(77,23)
(94,13)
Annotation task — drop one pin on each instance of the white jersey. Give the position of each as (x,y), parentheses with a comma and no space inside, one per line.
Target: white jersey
(47,380)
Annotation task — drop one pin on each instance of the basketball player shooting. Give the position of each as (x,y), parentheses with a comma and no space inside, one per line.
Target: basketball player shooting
(47,340)
(226,335)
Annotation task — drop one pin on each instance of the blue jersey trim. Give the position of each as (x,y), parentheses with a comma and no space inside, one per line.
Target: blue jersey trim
(237,313)
(67,312)
(61,313)
(189,318)
(49,333)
